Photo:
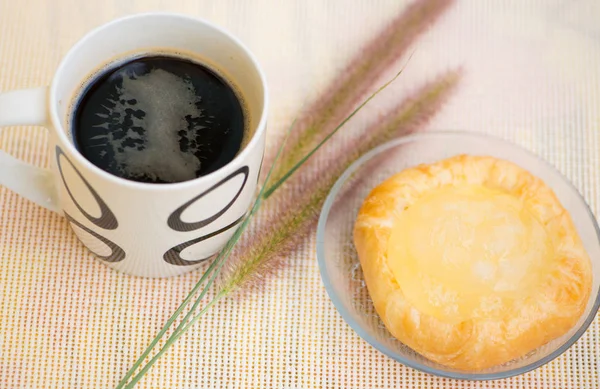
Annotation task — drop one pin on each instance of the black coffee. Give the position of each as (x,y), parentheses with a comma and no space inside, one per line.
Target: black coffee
(159,119)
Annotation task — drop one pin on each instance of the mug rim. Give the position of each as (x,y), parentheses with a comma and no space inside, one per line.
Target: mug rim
(210,177)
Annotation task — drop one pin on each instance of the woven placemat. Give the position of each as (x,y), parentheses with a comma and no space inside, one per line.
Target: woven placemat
(66,321)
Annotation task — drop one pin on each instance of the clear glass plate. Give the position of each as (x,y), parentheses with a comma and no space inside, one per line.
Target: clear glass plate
(341,271)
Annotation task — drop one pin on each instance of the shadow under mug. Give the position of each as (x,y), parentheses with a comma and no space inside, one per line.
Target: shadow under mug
(150,230)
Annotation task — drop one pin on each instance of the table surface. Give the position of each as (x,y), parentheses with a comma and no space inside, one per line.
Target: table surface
(531,75)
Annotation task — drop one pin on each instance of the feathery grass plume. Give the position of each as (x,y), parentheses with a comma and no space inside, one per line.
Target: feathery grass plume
(195,313)
(358,78)
(254,261)
(207,280)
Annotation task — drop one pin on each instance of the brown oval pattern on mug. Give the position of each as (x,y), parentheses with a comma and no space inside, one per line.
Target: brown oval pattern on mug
(107,219)
(117,254)
(174,221)
(173,255)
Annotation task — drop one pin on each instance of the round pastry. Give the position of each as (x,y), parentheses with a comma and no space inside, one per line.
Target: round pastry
(471,261)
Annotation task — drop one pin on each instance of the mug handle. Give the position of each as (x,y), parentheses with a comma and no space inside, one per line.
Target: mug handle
(20,107)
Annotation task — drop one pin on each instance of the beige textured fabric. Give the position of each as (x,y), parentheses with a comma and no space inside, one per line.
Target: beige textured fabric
(67,321)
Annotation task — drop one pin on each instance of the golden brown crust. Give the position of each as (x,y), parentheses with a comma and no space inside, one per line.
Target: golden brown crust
(475,343)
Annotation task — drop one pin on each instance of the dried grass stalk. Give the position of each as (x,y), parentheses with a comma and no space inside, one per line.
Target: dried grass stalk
(257,259)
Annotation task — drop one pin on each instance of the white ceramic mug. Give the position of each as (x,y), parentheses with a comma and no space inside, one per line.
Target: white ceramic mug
(151,230)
